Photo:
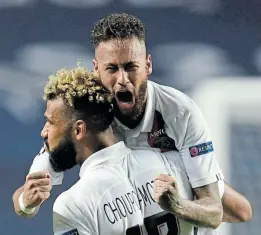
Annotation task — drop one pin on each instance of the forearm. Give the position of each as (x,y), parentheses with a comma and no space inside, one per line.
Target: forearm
(205,212)
(17,208)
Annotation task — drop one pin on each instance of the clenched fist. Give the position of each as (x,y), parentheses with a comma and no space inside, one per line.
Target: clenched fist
(166,193)
(36,189)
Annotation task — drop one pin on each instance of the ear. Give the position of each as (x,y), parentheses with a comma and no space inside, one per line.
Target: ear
(95,67)
(80,130)
(149,64)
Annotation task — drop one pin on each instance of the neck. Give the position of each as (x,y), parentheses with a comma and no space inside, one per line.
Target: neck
(106,139)
(129,121)
(97,142)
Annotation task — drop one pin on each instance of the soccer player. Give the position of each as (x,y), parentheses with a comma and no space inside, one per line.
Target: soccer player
(148,115)
(114,192)
(77,131)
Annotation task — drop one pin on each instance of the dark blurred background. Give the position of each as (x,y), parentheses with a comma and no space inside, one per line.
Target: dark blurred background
(193,43)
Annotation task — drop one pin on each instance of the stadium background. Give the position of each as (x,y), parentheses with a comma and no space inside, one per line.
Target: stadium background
(203,48)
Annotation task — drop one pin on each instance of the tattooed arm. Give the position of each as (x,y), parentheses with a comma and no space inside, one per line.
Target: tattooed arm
(205,211)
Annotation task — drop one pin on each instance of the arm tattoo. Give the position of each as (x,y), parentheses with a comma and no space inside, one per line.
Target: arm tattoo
(205,211)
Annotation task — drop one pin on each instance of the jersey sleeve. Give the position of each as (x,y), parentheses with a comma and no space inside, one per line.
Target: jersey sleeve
(41,163)
(197,150)
(71,219)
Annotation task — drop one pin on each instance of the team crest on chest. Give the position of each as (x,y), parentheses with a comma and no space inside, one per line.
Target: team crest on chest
(158,138)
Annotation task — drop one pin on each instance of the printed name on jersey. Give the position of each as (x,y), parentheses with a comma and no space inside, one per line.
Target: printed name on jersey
(201,149)
(158,138)
(127,204)
(71,232)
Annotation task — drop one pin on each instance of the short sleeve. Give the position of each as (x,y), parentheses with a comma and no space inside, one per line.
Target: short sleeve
(41,162)
(198,152)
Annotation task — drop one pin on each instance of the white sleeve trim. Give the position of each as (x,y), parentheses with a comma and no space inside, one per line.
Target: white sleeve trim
(208,180)
(221,187)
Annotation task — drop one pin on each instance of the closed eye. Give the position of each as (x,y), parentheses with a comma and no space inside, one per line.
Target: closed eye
(111,68)
(130,67)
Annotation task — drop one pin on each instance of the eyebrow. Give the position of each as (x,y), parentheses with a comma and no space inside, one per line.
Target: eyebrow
(126,63)
(109,64)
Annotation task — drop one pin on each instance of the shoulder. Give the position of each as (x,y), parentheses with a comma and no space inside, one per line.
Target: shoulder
(181,115)
(88,191)
(77,196)
(169,99)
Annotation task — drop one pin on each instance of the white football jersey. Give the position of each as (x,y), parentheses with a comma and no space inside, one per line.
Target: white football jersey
(103,201)
(172,121)
(114,194)
(143,167)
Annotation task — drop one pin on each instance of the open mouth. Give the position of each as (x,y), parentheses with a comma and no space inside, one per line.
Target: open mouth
(125,99)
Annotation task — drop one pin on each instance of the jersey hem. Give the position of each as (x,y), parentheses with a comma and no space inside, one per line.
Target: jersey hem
(208,180)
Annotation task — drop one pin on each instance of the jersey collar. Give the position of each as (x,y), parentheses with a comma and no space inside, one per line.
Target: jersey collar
(147,120)
(111,154)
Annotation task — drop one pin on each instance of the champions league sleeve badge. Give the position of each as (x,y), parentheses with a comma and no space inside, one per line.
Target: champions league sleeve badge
(201,149)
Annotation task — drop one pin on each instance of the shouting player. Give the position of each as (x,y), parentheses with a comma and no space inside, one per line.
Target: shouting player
(148,115)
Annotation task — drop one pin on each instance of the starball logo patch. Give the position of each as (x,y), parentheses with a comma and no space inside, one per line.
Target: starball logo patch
(201,149)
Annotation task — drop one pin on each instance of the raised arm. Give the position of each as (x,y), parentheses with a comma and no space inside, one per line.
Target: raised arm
(28,198)
(205,211)
(37,186)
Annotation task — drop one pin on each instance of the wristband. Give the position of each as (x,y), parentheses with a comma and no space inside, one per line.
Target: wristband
(22,207)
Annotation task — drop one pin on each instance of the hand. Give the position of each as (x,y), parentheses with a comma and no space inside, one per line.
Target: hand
(166,193)
(36,189)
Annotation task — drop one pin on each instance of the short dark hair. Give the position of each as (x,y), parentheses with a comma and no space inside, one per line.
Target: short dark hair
(83,93)
(117,26)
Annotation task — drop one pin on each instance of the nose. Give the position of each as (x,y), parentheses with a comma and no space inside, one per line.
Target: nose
(44,132)
(122,78)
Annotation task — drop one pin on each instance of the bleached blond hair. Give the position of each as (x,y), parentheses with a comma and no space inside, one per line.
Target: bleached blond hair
(83,92)
(70,84)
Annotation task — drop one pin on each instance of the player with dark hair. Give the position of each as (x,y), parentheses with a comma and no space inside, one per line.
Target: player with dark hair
(123,64)
(148,115)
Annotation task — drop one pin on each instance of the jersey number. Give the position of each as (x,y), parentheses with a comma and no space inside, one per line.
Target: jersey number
(160,224)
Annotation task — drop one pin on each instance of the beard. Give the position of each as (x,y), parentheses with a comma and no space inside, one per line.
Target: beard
(63,157)
(138,110)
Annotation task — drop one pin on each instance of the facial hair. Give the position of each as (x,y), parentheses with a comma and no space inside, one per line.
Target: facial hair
(63,157)
(139,107)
